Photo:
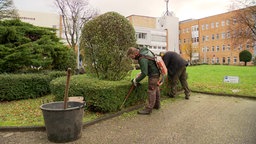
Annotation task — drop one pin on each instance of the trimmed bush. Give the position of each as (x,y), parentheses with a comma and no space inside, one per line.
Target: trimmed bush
(99,95)
(24,86)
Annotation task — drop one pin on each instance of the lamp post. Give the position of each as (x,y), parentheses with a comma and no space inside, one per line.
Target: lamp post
(78,52)
(78,46)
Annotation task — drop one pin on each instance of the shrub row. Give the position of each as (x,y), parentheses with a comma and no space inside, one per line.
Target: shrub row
(99,95)
(24,86)
(102,96)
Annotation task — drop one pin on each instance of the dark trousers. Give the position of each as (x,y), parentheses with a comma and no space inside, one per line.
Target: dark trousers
(153,92)
(173,81)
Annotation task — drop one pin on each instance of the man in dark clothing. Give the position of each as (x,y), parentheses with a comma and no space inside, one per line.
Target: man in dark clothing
(176,66)
(148,68)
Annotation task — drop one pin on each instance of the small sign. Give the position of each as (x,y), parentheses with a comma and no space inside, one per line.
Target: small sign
(231,79)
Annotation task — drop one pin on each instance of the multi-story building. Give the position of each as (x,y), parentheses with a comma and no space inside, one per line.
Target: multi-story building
(158,34)
(205,40)
(209,40)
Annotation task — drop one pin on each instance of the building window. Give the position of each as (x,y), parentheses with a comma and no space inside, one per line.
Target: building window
(240,47)
(217,60)
(212,48)
(212,36)
(203,38)
(235,60)
(217,48)
(212,25)
(223,60)
(228,60)
(206,38)
(202,27)
(247,46)
(222,23)
(207,26)
(234,21)
(217,36)
(203,49)
(223,47)
(223,35)
(227,22)
(195,39)
(213,60)
(207,49)
(228,34)
(141,35)
(228,47)
(184,41)
(217,24)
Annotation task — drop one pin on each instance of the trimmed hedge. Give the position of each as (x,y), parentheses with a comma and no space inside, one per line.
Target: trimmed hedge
(24,86)
(102,96)
(99,95)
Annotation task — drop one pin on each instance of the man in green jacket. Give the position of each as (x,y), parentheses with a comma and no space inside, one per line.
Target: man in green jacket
(148,68)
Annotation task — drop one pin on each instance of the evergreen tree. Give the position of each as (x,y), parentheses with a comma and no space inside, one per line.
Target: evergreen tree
(24,46)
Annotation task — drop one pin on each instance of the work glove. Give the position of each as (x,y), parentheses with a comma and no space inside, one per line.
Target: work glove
(134,82)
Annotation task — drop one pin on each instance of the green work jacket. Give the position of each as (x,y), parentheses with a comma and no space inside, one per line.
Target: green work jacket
(148,67)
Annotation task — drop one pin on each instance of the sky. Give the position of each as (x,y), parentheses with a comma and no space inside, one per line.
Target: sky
(183,9)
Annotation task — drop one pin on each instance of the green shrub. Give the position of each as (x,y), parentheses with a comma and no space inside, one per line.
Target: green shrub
(105,40)
(245,56)
(99,95)
(24,86)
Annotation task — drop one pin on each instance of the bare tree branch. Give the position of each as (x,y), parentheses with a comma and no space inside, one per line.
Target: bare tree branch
(243,28)
(7,9)
(74,14)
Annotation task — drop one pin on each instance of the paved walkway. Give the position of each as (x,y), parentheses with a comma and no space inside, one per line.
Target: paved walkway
(203,119)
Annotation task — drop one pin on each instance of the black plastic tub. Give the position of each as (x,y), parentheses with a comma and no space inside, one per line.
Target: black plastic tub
(63,125)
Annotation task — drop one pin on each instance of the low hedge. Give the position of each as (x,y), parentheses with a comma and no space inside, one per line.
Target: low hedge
(99,95)
(102,96)
(24,86)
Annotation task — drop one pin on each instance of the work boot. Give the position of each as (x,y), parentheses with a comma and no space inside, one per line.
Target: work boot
(145,111)
(170,95)
(157,106)
(187,97)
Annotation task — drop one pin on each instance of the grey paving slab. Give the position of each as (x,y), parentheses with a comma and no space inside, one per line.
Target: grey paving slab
(204,119)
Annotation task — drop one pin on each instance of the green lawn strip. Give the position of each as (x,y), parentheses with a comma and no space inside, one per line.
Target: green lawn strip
(28,112)
(208,78)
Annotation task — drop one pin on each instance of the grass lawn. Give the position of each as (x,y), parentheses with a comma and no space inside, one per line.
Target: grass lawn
(204,78)
(28,112)
(209,78)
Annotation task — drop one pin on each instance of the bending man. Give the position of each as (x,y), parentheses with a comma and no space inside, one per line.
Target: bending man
(176,66)
(148,68)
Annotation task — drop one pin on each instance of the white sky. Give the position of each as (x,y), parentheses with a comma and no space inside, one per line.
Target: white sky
(183,9)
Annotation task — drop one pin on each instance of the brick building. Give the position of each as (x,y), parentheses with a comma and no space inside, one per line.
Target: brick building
(209,40)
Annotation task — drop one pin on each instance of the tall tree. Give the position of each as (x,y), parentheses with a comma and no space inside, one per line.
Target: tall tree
(243,23)
(74,14)
(7,9)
